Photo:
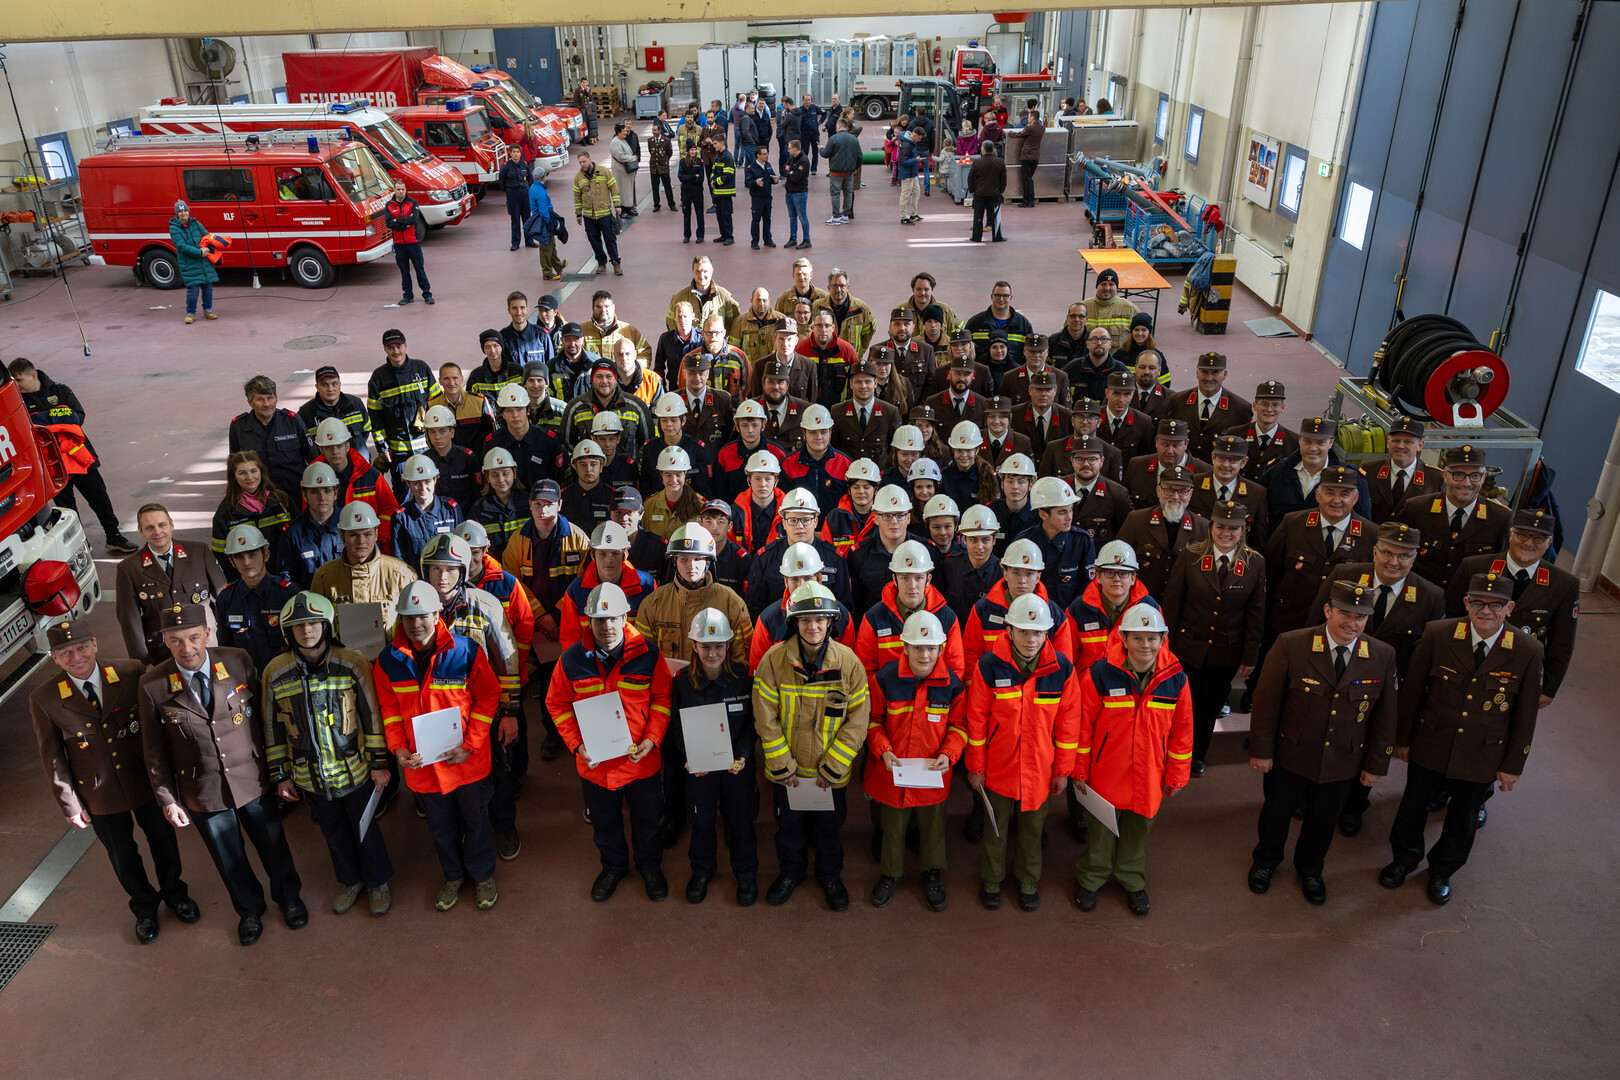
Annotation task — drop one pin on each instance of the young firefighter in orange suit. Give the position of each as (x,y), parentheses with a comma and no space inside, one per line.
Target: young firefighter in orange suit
(1023,707)
(614,658)
(609,564)
(425,669)
(879,639)
(1021,567)
(1136,735)
(918,711)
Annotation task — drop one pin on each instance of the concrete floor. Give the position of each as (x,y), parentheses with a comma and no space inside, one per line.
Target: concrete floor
(1515,977)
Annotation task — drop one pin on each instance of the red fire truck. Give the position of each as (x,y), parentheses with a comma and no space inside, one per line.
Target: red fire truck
(437,187)
(307,201)
(457,131)
(565,117)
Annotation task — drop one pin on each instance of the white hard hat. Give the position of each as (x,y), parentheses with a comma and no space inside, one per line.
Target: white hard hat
(709,626)
(318,475)
(673,459)
(922,628)
(439,416)
(749,410)
(864,469)
(911,557)
(798,501)
(816,418)
(606,601)
(356,516)
(1023,555)
(610,536)
(763,461)
(908,437)
(1116,553)
(978,519)
(1016,465)
(891,500)
(512,396)
(474,533)
(418,598)
(607,422)
(499,458)
(813,598)
(966,436)
(1029,612)
(801,560)
(244,538)
(1143,617)
(588,448)
(418,467)
(1051,491)
(940,506)
(670,405)
(690,539)
(446,549)
(331,431)
(924,469)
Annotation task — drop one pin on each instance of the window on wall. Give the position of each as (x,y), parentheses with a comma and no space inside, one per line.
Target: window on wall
(279,95)
(239,99)
(1291,181)
(1161,120)
(1116,92)
(1600,351)
(1195,133)
(1357,212)
(55,157)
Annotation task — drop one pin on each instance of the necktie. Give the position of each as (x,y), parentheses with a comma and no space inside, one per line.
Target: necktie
(90,696)
(1397,490)
(1381,608)
(1224,565)
(865,414)
(1479,656)
(1205,414)
(1113,432)
(168,563)
(995,448)
(1341,657)
(1225,493)
(204,694)
(1521,580)
(1329,540)
(1142,400)
(1042,429)
(1456,523)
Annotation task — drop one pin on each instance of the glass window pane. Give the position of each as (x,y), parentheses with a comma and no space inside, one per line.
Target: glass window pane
(1357,210)
(1291,188)
(1600,352)
(1195,132)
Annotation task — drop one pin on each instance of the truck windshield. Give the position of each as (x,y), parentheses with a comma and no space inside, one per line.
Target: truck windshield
(520,92)
(358,173)
(477,125)
(509,106)
(394,141)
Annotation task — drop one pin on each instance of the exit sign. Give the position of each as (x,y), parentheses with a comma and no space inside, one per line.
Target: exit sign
(1324,169)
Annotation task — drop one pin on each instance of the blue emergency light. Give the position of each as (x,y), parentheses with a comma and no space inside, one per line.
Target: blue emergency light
(481,67)
(481,85)
(314,144)
(455,105)
(348,106)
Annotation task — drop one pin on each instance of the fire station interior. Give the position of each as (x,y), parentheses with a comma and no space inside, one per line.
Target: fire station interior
(1365,163)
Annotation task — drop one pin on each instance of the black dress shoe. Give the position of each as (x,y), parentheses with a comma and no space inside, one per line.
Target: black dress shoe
(550,747)
(1085,899)
(781,890)
(697,889)
(1197,767)
(1029,901)
(1439,890)
(837,896)
(186,910)
(1349,823)
(747,891)
(249,929)
(1394,875)
(989,899)
(1137,901)
(1315,890)
(604,885)
(146,930)
(657,885)
(883,891)
(669,834)
(934,889)
(1259,878)
(295,915)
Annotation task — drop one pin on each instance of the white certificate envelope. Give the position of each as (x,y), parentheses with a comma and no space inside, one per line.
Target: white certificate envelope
(362,628)
(370,812)
(675,666)
(810,795)
(1100,808)
(913,772)
(436,734)
(603,727)
(707,732)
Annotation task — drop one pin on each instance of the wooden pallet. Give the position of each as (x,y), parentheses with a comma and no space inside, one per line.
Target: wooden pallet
(608,101)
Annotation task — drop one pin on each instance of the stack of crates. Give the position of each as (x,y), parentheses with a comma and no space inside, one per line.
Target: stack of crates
(1142,226)
(877,55)
(903,56)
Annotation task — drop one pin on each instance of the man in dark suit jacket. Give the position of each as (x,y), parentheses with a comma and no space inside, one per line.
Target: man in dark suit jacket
(1290,482)
(1460,523)
(1467,717)
(782,410)
(201,721)
(1000,441)
(1169,448)
(1104,504)
(1298,555)
(1015,384)
(1269,442)
(1224,483)
(1401,475)
(1122,425)
(863,425)
(958,401)
(1042,420)
(1057,458)
(1152,396)
(1211,408)
(1159,533)
(82,722)
(1325,714)
(709,412)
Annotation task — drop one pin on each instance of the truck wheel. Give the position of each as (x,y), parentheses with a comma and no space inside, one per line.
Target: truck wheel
(160,269)
(875,108)
(310,268)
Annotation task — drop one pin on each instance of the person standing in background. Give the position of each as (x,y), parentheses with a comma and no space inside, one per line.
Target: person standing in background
(404,218)
(987,183)
(197,271)
(515,182)
(659,150)
(625,160)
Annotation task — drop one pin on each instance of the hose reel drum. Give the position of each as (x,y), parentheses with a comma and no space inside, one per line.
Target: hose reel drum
(1433,366)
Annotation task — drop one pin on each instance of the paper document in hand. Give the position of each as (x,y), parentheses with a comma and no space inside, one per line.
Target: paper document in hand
(362,628)
(810,795)
(436,734)
(370,811)
(707,733)
(989,811)
(603,727)
(1099,807)
(913,772)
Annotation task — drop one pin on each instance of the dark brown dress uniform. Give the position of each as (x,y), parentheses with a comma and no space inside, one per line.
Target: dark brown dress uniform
(1225,411)
(995,452)
(944,406)
(211,761)
(1381,474)
(146,589)
(784,432)
(799,371)
(1055,459)
(1547,606)
(92,756)
(711,422)
(1155,402)
(1102,509)
(1321,728)
(1131,434)
(1156,551)
(1216,619)
(869,440)
(1265,450)
(1465,721)
(1142,477)
(1484,532)
(1249,494)
(913,362)
(1297,562)
(1059,424)
(1015,384)
(940,380)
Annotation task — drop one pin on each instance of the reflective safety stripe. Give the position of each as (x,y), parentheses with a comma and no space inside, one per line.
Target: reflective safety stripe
(1083,750)
(1064,745)
(482,717)
(976,742)
(1180,757)
(1009,695)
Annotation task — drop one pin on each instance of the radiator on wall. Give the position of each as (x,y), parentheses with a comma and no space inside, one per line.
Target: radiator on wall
(1261,272)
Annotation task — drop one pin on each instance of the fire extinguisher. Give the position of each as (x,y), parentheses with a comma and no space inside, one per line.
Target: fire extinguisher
(937,56)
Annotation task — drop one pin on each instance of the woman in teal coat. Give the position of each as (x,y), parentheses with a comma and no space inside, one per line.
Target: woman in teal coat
(196,272)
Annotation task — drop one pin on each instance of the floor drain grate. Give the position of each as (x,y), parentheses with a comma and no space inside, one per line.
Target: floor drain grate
(17,943)
(313,341)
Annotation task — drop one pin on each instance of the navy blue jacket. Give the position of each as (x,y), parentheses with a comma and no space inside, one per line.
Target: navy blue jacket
(413,527)
(734,689)
(306,545)
(249,618)
(1068,557)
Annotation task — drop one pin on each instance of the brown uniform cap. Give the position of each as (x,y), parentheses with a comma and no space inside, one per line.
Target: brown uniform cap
(1229,513)
(1499,586)
(922,412)
(1088,407)
(998,405)
(1121,380)
(1399,534)
(697,360)
(1271,388)
(1087,444)
(1465,455)
(1405,425)
(1043,380)
(788,326)
(1037,343)
(962,363)
(961,333)
(1339,476)
(1539,522)
(881,354)
(775,369)
(1356,599)
(1231,446)
(62,632)
(866,367)
(1176,474)
(1319,427)
(1172,429)
(1212,361)
(904,314)
(183,617)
